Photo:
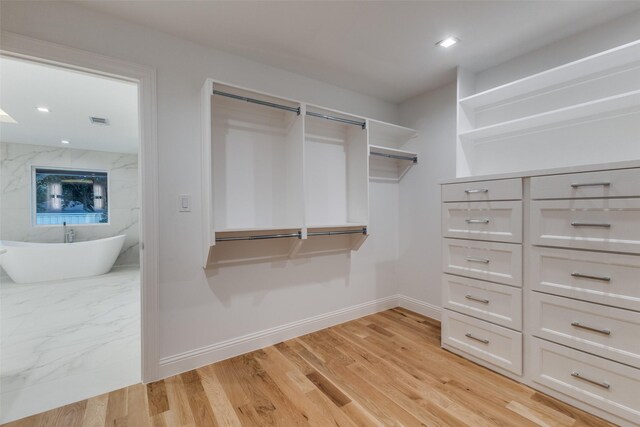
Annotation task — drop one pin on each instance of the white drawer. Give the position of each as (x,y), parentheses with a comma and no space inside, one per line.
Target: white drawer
(494,344)
(496,262)
(485,300)
(598,224)
(500,189)
(495,221)
(605,331)
(607,385)
(611,183)
(610,279)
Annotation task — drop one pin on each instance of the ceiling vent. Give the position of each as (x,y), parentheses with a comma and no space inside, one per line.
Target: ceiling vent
(99,121)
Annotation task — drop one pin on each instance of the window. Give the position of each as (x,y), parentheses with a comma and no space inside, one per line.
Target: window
(71,196)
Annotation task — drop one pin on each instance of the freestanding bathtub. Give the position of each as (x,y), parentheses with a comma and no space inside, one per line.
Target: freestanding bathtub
(38,262)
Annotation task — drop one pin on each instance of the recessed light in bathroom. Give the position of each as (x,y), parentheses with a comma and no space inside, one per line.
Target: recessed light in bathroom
(43,109)
(447,42)
(64,141)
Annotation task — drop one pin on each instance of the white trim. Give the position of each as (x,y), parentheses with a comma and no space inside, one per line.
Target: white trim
(202,356)
(420,307)
(21,47)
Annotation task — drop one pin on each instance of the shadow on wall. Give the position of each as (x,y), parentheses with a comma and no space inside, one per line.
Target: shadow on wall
(326,259)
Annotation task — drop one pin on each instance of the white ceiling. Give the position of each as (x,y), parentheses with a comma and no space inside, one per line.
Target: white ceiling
(72,98)
(385,49)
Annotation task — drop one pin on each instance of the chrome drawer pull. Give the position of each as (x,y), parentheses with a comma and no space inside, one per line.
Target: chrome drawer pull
(591,184)
(477,221)
(588,276)
(477,190)
(590,224)
(482,260)
(472,298)
(598,383)
(482,340)
(589,328)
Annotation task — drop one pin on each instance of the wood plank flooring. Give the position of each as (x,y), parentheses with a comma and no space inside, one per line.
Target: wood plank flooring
(383,369)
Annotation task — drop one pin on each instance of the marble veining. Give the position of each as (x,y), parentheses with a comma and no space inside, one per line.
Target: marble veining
(16,162)
(64,341)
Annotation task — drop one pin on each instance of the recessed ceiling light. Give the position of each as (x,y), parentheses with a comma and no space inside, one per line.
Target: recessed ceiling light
(448,42)
(43,109)
(64,141)
(6,118)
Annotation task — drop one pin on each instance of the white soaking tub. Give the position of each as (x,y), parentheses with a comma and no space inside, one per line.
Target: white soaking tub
(38,262)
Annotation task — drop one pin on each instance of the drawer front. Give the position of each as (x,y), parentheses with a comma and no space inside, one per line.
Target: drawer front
(607,385)
(612,183)
(484,300)
(496,262)
(494,344)
(495,221)
(501,189)
(605,331)
(598,224)
(610,279)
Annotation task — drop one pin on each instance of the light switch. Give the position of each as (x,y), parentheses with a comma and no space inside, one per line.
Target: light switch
(184,203)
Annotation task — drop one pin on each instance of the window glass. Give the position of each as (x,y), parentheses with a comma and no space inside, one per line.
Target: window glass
(71,196)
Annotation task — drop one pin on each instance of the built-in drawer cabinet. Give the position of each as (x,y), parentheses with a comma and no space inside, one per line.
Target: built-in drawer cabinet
(610,386)
(494,221)
(611,183)
(609,332)
(612,279)
(488,301)
(500,189)
(496,262)
(494,344)
(595,224)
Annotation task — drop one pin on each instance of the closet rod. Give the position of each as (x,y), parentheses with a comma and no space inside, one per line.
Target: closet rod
(260,237)
(257,101)
(363,230)
(363,125)
(414,159)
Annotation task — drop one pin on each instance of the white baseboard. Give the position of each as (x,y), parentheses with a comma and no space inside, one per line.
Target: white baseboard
(420,307)
(192,359)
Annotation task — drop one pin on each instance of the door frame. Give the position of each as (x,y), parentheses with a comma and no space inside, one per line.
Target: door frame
(20,47)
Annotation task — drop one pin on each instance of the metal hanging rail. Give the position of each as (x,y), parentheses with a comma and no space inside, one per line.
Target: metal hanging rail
(363,230)
(260,237)
(257,101)
(363,125)
(414,159)
(298,235)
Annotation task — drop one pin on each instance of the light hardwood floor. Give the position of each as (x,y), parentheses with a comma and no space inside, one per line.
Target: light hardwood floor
(384,369)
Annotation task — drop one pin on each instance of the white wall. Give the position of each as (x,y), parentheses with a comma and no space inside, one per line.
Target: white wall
(200,310)
(16,162)
(433,115)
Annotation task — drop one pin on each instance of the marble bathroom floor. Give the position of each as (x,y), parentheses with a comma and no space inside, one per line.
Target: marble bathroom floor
(65,341)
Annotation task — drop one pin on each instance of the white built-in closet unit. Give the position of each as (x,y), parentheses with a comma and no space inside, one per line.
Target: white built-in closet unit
(540,267)
(276,168)
(583,112)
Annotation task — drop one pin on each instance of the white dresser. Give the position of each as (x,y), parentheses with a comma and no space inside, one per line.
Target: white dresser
(541,282)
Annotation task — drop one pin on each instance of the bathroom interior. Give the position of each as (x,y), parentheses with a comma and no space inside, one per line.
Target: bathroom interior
(69,230)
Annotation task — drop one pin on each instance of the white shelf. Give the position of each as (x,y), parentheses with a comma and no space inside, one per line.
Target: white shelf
(387,134)
(591,65)
(600,108)
(328,226)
